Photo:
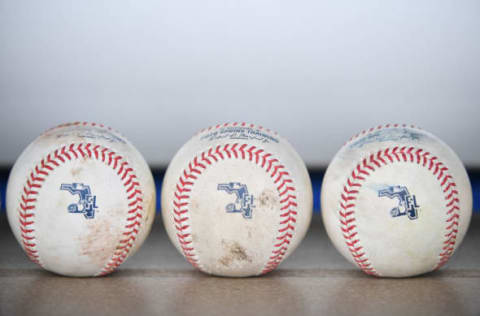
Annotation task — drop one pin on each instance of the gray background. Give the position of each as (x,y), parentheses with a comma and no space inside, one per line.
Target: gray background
(315,71)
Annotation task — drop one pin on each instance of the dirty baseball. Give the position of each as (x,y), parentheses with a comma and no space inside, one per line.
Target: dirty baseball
(396,201)
(80,199)
(236,200)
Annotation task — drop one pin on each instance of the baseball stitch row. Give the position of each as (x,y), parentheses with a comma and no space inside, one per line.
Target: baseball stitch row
(236,124)
(54,160)
(383,158)
(285,188)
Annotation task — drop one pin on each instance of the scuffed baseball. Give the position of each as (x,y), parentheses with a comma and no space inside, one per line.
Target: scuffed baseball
(80,199)
(236,200)
(396,201)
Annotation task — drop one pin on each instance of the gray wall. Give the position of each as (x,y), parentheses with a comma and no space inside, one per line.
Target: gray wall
(315,71)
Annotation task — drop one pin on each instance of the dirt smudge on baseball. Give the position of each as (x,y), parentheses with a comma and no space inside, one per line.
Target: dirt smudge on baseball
(235,253)
(75,171)
(268,199)
(148,213)
(100,242)
(194,237)
(193,206)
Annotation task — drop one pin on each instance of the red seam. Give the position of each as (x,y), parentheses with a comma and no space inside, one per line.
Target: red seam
(56,159)
(284,184)
(355,182)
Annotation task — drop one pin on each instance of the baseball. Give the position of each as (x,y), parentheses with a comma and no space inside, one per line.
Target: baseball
(396,201)
(80,199)
(236,200)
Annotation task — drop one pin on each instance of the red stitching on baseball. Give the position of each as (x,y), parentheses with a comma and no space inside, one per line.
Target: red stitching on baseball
(355,182)
(285,188)
(60,156)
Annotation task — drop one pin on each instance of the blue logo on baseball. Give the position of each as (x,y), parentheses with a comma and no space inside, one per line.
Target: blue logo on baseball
(407,203)
(87,202)
(243,203)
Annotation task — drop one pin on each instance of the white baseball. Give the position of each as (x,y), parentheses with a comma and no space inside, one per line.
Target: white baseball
(236,200)
(396,201)
(80,199)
